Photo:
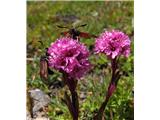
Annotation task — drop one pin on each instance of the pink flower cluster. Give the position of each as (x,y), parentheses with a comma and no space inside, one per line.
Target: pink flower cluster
(69,56)
(113,44)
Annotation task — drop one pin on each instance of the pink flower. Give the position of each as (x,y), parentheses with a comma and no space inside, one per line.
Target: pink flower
(113,44)
(69,56)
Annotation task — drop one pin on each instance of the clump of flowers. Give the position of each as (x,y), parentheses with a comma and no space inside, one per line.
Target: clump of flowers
(69,56)
(113,44)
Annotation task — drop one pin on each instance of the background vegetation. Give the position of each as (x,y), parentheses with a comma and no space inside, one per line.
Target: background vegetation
(42,18)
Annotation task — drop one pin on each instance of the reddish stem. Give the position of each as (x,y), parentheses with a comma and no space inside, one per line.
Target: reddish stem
(99,115)
(74,104)
(111,89)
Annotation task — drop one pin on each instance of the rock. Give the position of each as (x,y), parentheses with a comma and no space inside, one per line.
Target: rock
(94,13)
(69,18)
(41,118)
(82,96)
(28,116)
(39,100)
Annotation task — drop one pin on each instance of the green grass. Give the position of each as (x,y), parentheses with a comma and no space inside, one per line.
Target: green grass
(42,19)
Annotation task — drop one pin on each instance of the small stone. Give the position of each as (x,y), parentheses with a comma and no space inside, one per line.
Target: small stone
(28,116)
(89,93)
(41,118)
(82,95)
(94,13)
(39,99)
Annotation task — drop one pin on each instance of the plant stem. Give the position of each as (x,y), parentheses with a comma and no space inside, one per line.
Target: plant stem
(99,115)
(74,103)
(69,104)
(111,88)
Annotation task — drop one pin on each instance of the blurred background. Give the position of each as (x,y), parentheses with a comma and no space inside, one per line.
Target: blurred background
(42,30)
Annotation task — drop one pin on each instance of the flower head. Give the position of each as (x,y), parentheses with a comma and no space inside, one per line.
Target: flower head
(113,44)
(69,56)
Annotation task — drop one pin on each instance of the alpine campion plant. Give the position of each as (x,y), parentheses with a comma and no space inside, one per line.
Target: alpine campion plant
(114,44)
(70,57)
